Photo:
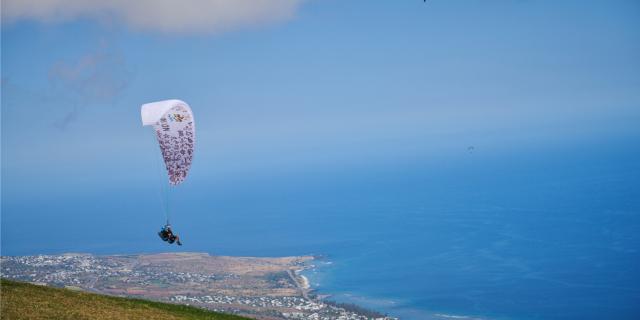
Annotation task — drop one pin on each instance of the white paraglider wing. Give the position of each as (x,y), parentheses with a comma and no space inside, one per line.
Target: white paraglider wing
(175,129)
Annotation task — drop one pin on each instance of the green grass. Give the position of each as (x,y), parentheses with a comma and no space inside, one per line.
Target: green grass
(20,300)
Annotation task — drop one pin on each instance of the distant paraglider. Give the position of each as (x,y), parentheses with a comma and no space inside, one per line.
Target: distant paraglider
(174,127)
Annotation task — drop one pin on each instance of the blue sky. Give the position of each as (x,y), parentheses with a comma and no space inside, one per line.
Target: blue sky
(290,89)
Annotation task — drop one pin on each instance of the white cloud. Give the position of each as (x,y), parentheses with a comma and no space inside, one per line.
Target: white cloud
(167,16)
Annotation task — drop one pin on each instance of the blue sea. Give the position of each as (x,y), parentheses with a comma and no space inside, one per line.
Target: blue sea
(526,234)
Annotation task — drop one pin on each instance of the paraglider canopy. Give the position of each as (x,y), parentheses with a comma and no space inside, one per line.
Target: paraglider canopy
(152,112)
(175,130)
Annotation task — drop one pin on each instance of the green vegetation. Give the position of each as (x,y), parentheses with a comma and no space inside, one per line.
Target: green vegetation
(20,300)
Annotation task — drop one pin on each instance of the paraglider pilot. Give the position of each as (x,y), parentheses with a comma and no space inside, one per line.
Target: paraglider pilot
(166,234)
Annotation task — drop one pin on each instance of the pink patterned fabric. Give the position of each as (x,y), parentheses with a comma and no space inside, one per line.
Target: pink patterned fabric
(176,135)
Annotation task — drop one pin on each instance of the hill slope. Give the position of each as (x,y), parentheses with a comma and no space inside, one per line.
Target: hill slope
(26,301)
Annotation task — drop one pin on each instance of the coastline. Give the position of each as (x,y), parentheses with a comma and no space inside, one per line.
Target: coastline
(305,284)
(312,281)
(261,288)
(317,275)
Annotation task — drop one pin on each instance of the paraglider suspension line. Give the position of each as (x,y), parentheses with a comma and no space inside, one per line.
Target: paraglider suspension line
(163,191)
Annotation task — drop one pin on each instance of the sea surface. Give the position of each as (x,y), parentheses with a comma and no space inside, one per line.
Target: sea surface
(524,235)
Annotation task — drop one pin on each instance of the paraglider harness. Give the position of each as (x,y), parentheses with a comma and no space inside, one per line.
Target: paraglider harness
(166,234)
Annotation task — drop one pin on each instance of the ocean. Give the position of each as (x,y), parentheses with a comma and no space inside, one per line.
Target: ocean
(522,235)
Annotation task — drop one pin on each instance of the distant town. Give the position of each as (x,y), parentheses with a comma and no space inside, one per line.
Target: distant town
(261,288)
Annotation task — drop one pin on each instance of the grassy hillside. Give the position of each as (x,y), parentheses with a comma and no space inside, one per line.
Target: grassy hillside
(26,301)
